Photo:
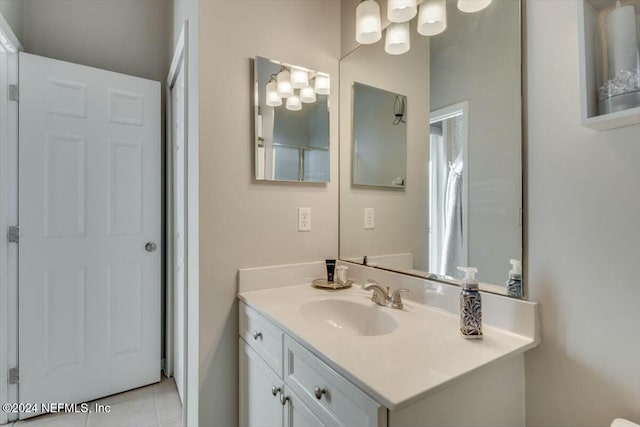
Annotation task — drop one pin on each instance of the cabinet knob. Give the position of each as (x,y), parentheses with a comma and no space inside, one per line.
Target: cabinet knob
(318,392)
(257,335)
(284,399)
(275,390)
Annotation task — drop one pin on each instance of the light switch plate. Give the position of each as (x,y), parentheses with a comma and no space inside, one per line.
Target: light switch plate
(369,218)
(304,219)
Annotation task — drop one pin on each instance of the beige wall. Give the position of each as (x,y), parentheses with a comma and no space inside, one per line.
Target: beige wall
(244,223)
(128,37)
(584,240)
(12,12)
(401,216)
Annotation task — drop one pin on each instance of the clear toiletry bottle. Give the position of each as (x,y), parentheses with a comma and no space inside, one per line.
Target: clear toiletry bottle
(514,285)
(470,305)
(341,274)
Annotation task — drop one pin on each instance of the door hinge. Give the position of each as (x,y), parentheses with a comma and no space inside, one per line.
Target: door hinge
(13,234)
(14,93)
(14,375)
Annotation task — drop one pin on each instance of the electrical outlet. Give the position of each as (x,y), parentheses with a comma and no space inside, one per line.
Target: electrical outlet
(369,218)
(304,219)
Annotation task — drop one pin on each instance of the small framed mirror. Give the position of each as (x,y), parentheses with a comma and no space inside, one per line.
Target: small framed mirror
(379,137)
(291,118)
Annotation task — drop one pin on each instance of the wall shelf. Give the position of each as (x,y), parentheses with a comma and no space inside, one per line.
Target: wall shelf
(591,20)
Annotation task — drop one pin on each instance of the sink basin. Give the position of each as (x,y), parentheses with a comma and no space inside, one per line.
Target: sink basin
(349,317)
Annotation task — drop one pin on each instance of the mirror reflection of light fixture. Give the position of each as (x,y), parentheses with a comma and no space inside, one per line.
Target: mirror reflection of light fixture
(401,10)
(308,95)
(323,84)
(273,99)
(432,18)
(397,40)
(471,6)
(282,85)
(368,25)
(285,89)
(299,78)
(293,103)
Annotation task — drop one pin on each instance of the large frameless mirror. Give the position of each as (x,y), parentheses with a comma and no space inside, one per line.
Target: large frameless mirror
(462,191)
(291,119)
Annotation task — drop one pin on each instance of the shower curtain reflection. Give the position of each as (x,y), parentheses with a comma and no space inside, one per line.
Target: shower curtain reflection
(447,198)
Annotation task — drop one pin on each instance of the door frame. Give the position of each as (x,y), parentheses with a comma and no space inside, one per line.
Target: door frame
(190,396)
(9,48)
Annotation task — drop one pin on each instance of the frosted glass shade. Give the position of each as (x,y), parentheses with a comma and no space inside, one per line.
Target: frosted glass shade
(368,25)
(432,17)
(299,78)
(308,95)
(293,103)
(273,99)
(285,90)
(397,40)
(470,6)
(401,10)
(323,84)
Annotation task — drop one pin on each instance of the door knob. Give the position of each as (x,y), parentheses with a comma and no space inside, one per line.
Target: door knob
(151,247)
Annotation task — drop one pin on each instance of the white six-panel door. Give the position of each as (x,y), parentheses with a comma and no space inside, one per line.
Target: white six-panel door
(89,200)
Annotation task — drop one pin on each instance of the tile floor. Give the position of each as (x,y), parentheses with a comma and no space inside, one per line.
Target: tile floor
(157,405)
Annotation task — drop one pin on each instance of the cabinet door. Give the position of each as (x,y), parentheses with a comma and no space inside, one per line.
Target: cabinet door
(258,406)
(297,414)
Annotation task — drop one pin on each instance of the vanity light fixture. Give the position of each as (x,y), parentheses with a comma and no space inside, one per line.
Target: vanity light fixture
(397,40)
(299,78)
(323,83)
(308,95)
(432,20)
(273,99)
(293,103)
(368,25)
(401,10)
(471,6)
(432,17)
(286,84)
(284,87)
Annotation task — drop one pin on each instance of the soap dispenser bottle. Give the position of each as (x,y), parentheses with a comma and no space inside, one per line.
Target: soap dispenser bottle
(514,284)
(470,305)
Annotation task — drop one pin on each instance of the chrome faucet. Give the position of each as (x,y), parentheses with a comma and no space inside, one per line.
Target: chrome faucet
(381,295)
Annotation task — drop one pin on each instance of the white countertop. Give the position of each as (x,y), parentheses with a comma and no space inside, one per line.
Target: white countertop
(423,355)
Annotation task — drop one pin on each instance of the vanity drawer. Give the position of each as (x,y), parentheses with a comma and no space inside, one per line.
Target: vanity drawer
(263,336)
(340,403)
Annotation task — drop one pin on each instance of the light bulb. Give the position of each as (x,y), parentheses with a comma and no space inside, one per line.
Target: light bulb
(401,10)
(285,89)
(293,103)
(470,6)
(308,95)
(273,100)
(299,78)
(368,25)
(397,40)
(323,84)
(432,18)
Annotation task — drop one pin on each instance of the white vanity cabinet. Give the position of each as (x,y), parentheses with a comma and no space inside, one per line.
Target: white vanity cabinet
(262,405)
(284,384)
